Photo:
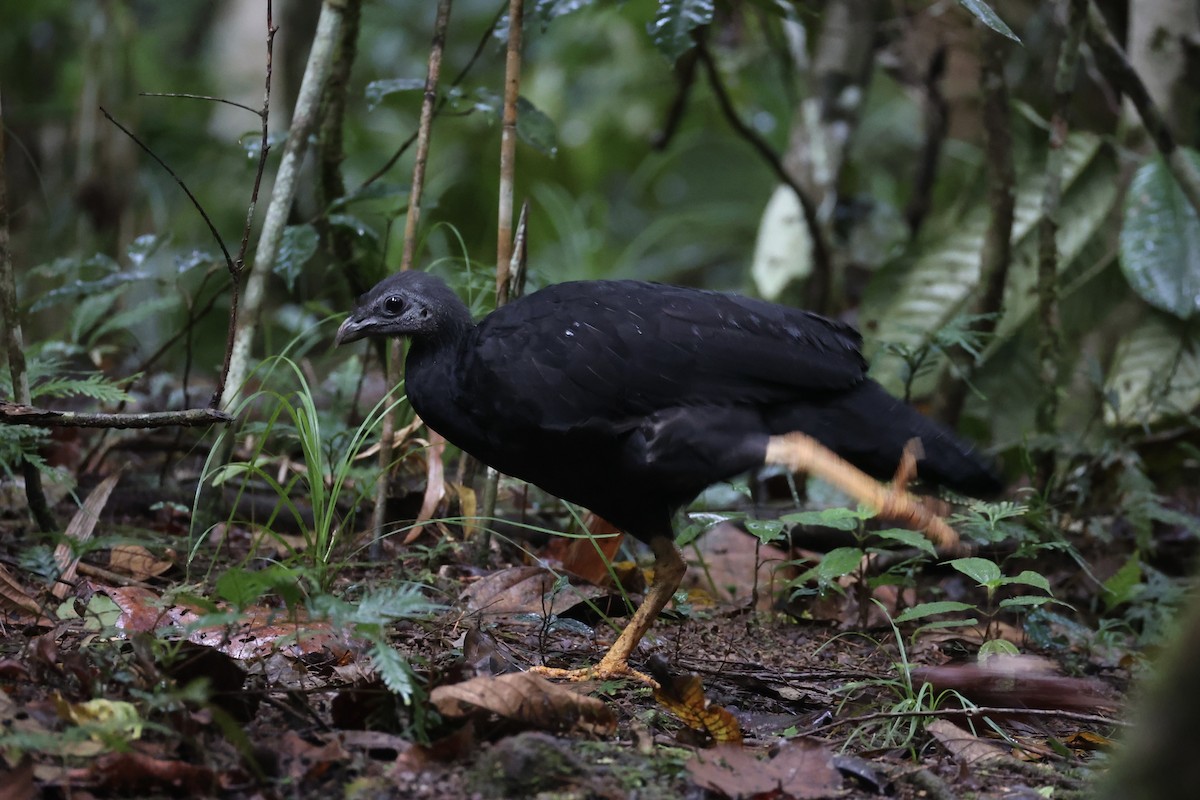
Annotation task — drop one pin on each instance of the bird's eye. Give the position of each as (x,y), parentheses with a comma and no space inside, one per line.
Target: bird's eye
(393,305)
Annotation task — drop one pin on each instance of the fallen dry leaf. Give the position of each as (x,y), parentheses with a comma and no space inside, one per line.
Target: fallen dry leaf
(303,761)
(528,699)
(259,632)
(799,770)
(17,783)
(137,562)
(966,748)
(79,530)
(589,557)
(525,590)
(435,485)
(18,601)
(136,773)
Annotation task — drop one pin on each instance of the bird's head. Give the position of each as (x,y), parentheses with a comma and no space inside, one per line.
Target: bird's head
(410,303)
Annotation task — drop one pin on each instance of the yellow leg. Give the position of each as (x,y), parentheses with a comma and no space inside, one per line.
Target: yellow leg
(801,453)
(668,572)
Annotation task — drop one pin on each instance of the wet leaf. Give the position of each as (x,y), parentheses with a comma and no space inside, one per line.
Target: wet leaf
(1028,578)
(839,518)
(1160,240)
(923,610)
(838,562)
(982,570)
(674,23)
(377,91)
(985,14)
(298,245)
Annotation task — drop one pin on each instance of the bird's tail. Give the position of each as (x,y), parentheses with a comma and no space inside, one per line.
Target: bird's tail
(869,428)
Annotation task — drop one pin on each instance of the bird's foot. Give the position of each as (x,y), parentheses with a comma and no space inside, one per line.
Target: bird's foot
(613,670)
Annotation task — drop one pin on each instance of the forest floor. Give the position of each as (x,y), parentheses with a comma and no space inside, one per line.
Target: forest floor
(173,664)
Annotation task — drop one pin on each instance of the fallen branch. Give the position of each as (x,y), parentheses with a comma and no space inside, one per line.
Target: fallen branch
(17,414)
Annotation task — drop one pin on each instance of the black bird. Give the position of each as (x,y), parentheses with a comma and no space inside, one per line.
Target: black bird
(630,398)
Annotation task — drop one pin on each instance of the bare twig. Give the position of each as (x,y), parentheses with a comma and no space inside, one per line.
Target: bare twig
(1116,67)
(1050,346)
(330,154)
(685,79)
(504,239)
(458,79)
(19,414)
(508,149)
(435,485)
(937,121)
(15,346)
(997,244)
(304,121)
(199,208)
(822,263)
(189,96)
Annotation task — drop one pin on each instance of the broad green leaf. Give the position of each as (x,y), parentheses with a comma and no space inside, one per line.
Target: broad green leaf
(838,562)
(909,538)
(1122,585)
(1160,240)
(86,288)
(985,14)
(908,303)
(940,624)
(982,570)
(922,610)
(997,647)
(298,245)
(1155,374)
(379,190)
(90,309)
(186,262)
(535,128)
(839,518)
(783,249)
(549,10)
(764,530)
(359,226)
(379,90)
(1029,578)
(1026,600)
(241,587)
(97,264)
(143,247)
(130,317)
(674,23)
(251,143)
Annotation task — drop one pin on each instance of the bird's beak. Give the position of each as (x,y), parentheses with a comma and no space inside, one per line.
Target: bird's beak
(351,330)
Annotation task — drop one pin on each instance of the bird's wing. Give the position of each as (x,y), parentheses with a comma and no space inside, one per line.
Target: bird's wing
(610,352)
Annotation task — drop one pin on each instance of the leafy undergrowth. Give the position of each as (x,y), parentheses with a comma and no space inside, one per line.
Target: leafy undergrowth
(809,655)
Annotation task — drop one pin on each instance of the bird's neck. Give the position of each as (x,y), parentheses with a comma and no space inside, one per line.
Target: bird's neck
(441,349)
